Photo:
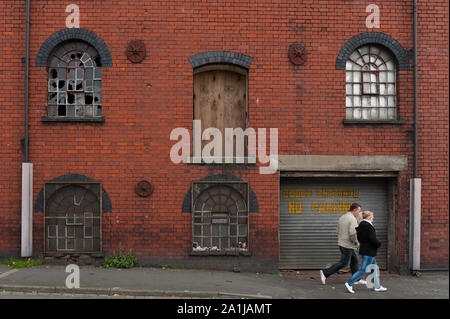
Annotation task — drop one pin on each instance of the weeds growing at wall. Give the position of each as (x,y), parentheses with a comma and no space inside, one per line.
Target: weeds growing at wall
(21,263)
(121,260)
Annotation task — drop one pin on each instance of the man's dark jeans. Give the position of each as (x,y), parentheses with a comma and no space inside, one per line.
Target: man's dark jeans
(347,254)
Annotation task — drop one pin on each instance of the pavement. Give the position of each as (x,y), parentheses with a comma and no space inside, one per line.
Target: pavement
(170,283)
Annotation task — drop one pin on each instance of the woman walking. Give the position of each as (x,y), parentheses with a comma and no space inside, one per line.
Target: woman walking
(368,250)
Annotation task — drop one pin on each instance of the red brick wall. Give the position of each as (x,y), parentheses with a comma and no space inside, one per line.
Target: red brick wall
(12,49)
(433,131)
(142,103)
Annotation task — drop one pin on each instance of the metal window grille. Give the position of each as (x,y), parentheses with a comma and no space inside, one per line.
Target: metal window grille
(74,81)
(371,85)
(220,219)
(72,217)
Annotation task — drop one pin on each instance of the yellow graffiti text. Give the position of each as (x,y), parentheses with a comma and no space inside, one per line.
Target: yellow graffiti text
(296,193)
(330,208)
(344,193)
(295,208)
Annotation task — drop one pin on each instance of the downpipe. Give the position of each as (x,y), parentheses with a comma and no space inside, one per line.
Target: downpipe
(27,168)
(415,182)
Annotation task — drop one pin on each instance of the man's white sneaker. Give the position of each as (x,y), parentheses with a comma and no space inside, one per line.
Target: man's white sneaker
(361,282)
(349,288)
(322,277)
(381,288)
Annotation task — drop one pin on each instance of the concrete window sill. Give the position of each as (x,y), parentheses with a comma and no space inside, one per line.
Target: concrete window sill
(373,122)
(221,253)
(73,119)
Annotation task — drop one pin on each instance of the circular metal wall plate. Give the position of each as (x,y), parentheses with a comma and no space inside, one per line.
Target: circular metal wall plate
(136,51)
(144,188)
(297,53)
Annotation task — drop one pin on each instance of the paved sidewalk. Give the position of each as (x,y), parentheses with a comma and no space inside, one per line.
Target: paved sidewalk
(188,283)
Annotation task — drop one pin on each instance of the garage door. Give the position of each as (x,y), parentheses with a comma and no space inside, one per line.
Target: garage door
(309,212)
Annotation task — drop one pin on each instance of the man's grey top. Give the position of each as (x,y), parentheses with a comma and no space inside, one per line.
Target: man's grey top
(346,230)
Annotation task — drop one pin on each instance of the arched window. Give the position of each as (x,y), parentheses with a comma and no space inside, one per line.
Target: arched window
(371,84)
(220,216)
(74,81)
(73,216)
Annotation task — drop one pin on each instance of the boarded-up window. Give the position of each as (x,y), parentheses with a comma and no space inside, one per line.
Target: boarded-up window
(220,100)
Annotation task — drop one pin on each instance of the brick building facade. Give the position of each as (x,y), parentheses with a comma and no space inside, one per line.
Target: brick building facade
(94,135)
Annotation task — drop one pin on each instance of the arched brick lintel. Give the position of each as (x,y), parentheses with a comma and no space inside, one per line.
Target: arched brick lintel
(215,57)
(373,38)
(73,34)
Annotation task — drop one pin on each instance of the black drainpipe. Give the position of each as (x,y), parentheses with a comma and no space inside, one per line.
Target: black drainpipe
(27,58)
(415,86)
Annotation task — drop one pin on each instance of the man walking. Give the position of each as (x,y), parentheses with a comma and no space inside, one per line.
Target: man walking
(347,242)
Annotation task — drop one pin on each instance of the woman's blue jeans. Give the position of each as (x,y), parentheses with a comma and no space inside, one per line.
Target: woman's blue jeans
(366,261)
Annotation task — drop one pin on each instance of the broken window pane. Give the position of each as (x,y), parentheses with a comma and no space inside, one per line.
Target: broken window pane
(70,98)
(52,98)
(61,85)
(74,71)
(97,98)
(53,74)
(88,99)
(97,61)
(98,110)
(61,98)
(71,85)
(52,86)
(79,85)
(61,110)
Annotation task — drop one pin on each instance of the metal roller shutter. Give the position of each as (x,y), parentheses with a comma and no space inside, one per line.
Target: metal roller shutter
(309,212)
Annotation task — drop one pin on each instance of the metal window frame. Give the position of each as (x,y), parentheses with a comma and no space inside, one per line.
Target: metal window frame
(68,183)
(223,183)
(378,95)
(83,49)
